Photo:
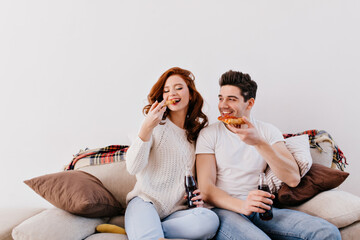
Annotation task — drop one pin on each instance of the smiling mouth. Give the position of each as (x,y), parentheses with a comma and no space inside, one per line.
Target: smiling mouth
(226,113)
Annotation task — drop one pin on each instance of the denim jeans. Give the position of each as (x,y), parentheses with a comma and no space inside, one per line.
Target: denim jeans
(286,224)
(142,222)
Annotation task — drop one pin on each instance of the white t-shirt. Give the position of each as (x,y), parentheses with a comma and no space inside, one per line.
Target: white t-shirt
(238,164)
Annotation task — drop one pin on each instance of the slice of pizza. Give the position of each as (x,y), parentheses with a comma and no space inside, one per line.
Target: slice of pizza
(231,120)
(169,102)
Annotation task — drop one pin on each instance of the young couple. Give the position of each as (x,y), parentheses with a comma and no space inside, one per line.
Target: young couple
(228,162)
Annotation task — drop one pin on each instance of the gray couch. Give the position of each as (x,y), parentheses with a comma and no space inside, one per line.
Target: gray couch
(336,206)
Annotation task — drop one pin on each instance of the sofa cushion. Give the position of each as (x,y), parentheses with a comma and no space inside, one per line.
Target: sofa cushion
(56,224)
(324,157)
(338,207)
(115,178)
(118,221)
(107,236)
(11,217)
(77,192)
(350,232)
(318,179)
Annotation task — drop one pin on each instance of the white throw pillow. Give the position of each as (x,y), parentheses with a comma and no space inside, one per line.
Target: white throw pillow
(337,207)
(56,224)
(299,147)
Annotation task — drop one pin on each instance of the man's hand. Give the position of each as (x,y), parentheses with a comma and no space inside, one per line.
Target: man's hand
(248,135)
(257,201)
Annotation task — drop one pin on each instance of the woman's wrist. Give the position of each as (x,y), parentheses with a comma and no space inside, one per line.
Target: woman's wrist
(145,133)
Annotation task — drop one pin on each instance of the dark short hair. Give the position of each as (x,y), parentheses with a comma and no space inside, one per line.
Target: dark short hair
(241,80)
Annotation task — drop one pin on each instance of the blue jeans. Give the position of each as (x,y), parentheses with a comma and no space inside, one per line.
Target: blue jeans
(142,222)
(286,224)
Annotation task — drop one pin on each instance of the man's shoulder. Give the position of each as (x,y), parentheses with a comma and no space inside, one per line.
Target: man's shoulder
(262,125)
(271,133)
(212,128)
(208,138)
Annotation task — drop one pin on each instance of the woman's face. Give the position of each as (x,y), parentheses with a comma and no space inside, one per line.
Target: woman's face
(176,88)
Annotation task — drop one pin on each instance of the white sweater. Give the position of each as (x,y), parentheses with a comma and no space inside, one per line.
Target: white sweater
(160,166)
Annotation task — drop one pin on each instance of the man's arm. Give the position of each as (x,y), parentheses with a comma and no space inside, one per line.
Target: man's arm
(280,160)
(206,176)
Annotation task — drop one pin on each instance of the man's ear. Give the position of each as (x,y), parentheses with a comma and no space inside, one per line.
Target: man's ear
(250,103)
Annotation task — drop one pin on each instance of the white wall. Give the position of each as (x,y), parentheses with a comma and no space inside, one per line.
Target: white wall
(75,74)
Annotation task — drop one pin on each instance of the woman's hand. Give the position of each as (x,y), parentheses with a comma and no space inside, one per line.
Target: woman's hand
(155,114)
(152,119)
(200,202)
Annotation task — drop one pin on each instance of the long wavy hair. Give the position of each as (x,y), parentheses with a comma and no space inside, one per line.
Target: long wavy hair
(195,119)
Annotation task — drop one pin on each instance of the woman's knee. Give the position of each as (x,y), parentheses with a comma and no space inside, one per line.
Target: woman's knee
(196,223)
(208,223)
(142,220)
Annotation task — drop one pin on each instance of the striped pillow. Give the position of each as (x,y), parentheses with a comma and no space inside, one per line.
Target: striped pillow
(299,147)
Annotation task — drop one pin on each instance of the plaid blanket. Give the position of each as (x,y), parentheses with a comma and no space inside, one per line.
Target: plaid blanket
(117,153)
(109,154)
(317,136)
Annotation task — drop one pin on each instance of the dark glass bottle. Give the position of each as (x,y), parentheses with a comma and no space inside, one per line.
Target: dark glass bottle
(190,187)
(267,215)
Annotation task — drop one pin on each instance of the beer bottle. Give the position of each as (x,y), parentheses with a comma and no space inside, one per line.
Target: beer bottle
(267,215)
(190,187)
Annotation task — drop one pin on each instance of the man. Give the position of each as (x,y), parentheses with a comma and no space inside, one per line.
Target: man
(229,160)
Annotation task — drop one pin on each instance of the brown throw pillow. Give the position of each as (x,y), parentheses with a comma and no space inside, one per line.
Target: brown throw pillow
(77,192)
(318,179)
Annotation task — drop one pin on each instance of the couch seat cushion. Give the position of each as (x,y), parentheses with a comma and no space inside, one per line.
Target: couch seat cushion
(351,232)
(56,224)
(11,217)
(107,236)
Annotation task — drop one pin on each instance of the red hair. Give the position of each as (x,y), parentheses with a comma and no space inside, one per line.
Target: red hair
(195,119)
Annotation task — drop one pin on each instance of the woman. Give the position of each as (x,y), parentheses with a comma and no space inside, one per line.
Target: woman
(160,157)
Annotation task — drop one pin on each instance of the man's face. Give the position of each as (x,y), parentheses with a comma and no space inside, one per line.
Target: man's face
(231,103)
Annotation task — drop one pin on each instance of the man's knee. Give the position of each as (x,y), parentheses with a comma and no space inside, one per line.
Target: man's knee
(322,229)
(236,226)
(329,231)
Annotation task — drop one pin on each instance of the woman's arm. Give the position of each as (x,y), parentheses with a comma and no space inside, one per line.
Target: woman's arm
(137,156)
